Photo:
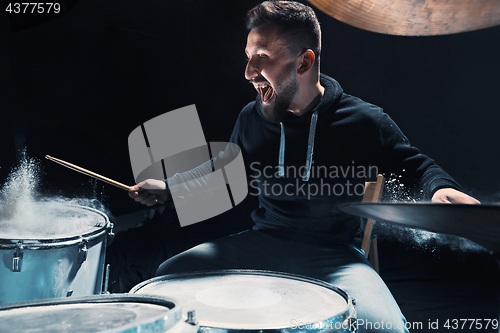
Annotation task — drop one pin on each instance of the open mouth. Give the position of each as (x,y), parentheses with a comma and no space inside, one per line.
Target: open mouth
(265,91)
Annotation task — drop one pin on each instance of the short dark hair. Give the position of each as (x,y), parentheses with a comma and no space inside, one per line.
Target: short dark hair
(296,21)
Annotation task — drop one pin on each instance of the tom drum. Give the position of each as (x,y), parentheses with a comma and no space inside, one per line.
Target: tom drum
(63,257)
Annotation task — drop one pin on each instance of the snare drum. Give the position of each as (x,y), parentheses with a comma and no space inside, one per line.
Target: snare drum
(69,262)
(122,313)
(260,301)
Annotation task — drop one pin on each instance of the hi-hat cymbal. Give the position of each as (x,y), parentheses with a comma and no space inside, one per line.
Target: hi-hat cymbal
(479,223)
(414,17)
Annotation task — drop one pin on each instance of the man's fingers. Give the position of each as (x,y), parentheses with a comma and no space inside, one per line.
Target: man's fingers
(449,195)
(465,200)
(149,201)
(148,192)
(140,196)
(145,198)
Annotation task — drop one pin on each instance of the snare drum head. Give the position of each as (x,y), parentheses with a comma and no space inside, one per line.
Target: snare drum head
(50,220)
(106,313)
(250,299)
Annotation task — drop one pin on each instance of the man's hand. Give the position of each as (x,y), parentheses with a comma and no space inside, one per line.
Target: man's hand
(450,195)
(148,191)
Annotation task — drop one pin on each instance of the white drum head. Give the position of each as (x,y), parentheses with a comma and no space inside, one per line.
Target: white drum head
(251,300)
(49,220)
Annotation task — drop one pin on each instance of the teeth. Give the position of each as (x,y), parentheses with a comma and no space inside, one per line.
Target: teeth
(260,85)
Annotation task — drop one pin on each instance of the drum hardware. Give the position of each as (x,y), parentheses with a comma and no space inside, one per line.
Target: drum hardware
(18,257)
(111,234)
(352,323)
(191,318)
(82,252)
(106,280)
(349,320)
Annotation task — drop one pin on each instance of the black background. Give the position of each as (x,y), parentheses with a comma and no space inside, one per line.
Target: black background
(76,86)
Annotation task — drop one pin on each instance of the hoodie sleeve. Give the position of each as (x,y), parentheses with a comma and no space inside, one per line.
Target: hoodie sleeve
(416,169)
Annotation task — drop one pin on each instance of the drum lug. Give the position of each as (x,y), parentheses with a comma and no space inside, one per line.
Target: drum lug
(353,325)
(111,234)
(350,320)
(106,280)
(82,253)
(18,257)
(191,318)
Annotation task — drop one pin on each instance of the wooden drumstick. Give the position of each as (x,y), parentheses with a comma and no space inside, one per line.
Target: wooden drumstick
(93,175)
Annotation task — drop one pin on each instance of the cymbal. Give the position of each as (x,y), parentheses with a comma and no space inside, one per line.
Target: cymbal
(479,223)
(414,17)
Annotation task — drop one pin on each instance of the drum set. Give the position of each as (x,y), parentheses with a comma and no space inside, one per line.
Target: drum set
(210,301)
(55,284)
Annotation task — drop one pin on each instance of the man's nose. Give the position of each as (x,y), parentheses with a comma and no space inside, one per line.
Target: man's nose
(251,71)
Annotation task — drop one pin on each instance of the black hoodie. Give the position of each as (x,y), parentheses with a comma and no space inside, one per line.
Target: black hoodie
(347,141)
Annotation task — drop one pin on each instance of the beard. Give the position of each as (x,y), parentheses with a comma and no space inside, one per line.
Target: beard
(284,92)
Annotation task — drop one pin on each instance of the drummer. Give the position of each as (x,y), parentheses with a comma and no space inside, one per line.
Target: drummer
(296,108)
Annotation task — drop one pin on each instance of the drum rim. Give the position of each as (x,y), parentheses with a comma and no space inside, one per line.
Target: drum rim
(35,244)
(270,273)
(174,315)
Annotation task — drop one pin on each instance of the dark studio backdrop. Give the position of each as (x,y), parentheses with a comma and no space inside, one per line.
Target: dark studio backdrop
(76,86)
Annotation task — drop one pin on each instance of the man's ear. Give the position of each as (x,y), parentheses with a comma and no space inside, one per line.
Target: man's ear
(306,61)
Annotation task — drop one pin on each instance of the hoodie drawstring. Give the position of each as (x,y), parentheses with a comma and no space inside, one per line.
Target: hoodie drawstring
(310,148)
(281,158)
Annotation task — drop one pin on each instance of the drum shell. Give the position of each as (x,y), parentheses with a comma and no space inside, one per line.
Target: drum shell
(48,268)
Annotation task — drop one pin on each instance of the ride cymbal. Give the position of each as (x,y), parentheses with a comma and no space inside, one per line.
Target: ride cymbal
(414,17)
